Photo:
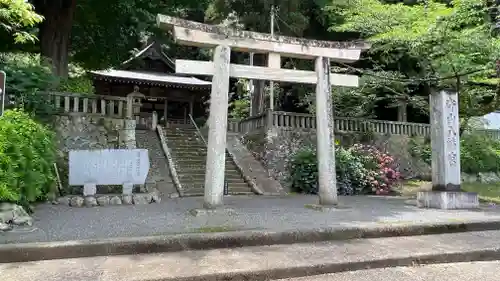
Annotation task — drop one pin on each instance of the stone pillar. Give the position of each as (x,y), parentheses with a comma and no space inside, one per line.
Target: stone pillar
(445,143)
(129,107)
(325,137)
(154,121)
(128,134)
(403,112)
(191,107)
(165,112)
(216,156)
(269,119)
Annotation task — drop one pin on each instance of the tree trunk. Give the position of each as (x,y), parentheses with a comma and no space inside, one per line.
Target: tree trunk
(258,98)
(402,112)
(55,32)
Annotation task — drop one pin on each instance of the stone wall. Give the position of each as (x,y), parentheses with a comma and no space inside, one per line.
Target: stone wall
(481,178)
(275,148)
(92,132)
(76,132)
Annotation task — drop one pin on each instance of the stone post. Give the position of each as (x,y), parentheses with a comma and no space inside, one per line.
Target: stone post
(269,119)
(445,143)
(154,121)
(128,134)
(216,151)
(129,107)
(325,137)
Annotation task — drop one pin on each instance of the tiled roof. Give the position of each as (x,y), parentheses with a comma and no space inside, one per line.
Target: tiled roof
(150,77)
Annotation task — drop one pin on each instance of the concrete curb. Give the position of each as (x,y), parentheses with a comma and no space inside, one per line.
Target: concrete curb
(328,268)
(24,252)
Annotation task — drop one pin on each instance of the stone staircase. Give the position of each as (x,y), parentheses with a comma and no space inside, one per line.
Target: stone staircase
(189,154)
(158,176)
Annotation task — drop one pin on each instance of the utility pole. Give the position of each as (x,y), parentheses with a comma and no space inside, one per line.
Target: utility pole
(271,83)
(251,87)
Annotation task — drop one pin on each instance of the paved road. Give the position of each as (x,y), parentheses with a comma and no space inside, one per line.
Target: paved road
(281,261)
(474,271)
(62,223)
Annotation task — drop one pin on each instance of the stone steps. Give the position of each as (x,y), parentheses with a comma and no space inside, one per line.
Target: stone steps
(189,154)
(186,152)
(159,175)
(201,163)
(201,178)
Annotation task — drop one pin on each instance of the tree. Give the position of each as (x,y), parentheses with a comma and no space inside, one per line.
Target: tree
(55,32)
(18,18)
(101,33)
(448,46)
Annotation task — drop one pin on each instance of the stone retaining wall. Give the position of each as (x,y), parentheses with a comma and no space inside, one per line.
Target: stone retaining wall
(110,199)
(481,178)
(275,147)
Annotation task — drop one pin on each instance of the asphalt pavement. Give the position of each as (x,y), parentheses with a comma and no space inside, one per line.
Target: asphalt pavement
(472,271)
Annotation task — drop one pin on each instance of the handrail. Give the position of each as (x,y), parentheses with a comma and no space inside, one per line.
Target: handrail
(226,187)
(198,130)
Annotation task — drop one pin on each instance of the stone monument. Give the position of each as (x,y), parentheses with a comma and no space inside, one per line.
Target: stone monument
(108,167)
(445,143)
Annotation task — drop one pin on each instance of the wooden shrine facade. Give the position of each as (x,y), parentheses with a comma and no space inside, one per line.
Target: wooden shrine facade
(150,79)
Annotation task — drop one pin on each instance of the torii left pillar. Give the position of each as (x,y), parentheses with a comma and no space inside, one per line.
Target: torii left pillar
(217,130)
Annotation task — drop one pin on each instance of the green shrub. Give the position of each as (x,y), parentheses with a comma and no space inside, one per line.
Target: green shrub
(27,79)
(420,148)
(380,174)
(27,154)
(351,172)
(80,85)
(304,171)
(479,152)
(359,169)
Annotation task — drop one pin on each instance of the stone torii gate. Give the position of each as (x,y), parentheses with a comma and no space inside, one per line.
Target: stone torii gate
(446,192)
(224,40)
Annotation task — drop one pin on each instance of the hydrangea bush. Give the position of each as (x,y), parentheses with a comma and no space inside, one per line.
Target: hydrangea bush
(382,174)
(360,169)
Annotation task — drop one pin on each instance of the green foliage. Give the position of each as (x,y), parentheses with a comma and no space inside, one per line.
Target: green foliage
(27,154)
(351,172)
(240,107)
(101,41)
(77,82)
(80,84)
(420,148)
(27,78)
(303,171)
(479,152)
(359,170)
(431,45)
(18,18)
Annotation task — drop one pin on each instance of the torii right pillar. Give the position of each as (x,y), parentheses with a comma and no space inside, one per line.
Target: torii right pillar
(445,142)
(327,182)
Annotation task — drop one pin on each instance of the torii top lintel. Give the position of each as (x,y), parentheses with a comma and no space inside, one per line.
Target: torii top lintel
(204,35)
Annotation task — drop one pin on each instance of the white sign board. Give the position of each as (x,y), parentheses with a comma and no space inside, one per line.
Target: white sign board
(108,166)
